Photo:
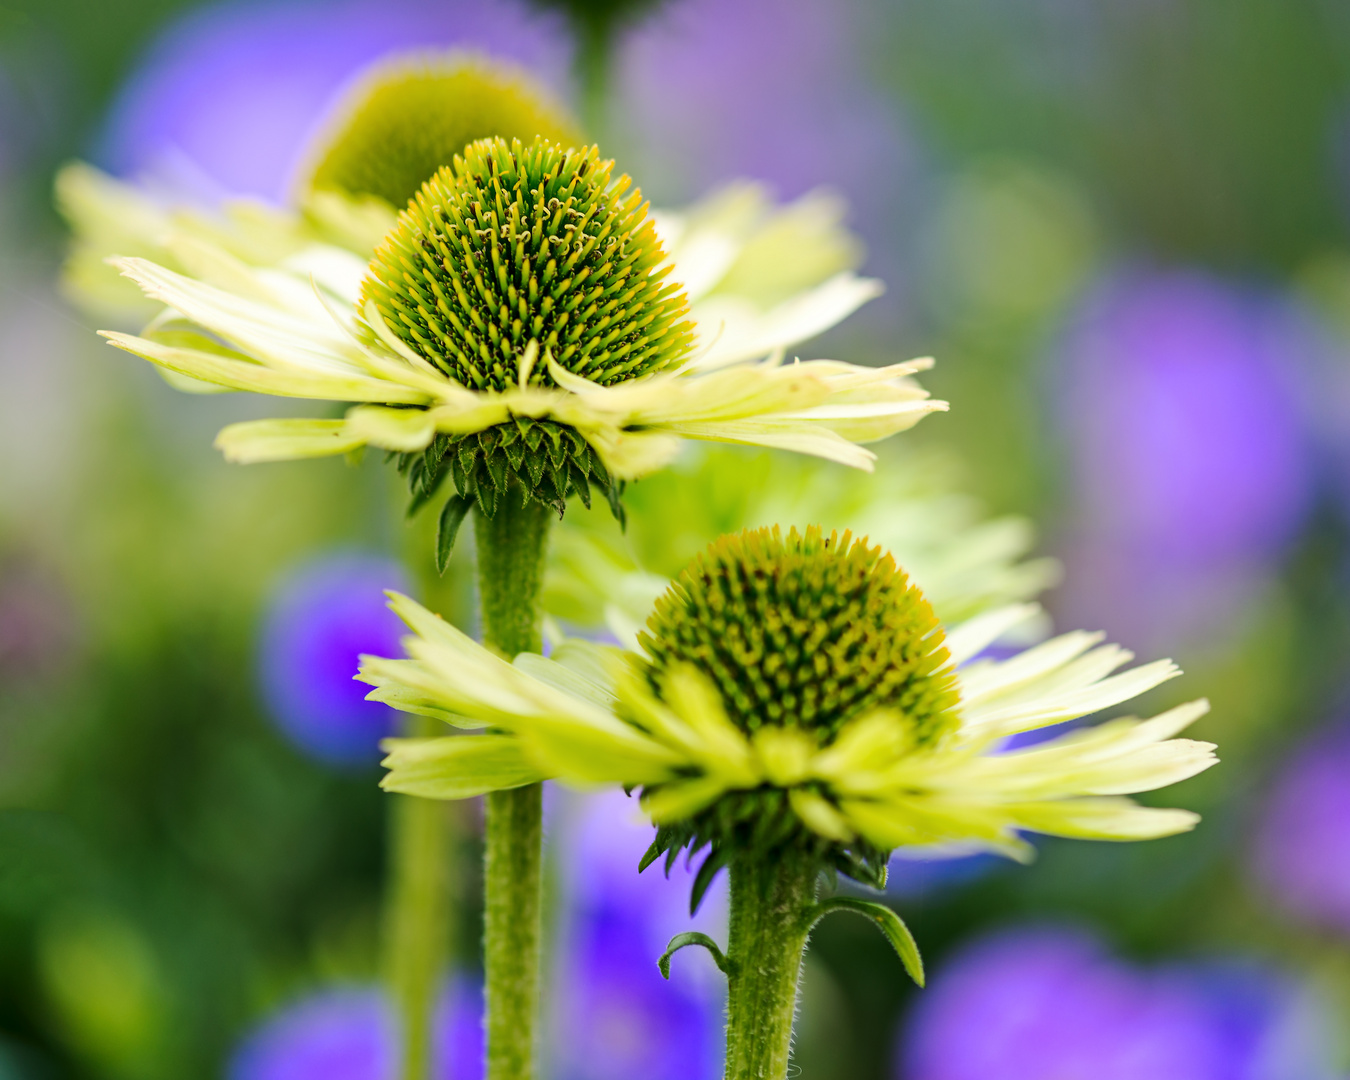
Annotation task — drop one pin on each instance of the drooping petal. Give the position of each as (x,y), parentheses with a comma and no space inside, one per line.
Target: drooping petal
(254,441)
(456,767)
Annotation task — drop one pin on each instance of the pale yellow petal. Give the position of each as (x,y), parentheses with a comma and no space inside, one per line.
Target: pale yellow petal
(255,441)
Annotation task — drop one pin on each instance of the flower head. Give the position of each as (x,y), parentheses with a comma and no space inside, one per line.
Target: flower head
(328,327)
(226,98)
(410,115)
(964,564)
(798,691)
(515,252)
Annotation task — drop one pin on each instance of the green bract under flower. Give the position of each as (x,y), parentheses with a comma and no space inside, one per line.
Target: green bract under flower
(412,115)
(805,631)
(518,252)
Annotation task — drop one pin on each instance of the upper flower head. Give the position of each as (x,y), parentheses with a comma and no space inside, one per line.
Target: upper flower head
(518,321)
(798,691)
(532,252)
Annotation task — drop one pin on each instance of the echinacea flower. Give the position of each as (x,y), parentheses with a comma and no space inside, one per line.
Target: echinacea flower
(797,707)
(802,684)
(515,326)
(404,117)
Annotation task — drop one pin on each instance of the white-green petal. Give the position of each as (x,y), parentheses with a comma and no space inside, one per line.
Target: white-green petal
(254,441)
(456,767)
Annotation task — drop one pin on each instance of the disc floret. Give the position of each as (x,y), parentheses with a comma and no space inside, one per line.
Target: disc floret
(807,631)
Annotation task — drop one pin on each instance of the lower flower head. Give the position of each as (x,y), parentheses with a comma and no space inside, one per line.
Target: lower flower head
(798,696)
(805,631)
(799,635)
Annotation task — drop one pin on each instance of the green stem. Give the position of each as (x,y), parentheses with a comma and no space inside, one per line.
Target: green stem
(772,899)
(511,549)
(595,34)
(418,915)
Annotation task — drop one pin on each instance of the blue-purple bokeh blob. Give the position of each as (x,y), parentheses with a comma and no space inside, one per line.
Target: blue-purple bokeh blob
(349,1033)
(714,90)
(1032,1003)
(322,617)
(1301,854)
(1191,465)
(227,98)
(614,1016)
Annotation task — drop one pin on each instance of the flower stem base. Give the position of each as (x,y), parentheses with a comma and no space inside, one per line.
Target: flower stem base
(511,547)
(772,898)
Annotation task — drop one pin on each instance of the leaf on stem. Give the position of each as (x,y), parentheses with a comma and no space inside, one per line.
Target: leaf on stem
(691,937)
(897,933)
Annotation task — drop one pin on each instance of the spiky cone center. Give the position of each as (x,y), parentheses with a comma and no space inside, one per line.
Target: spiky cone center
(806,631)
(412,115)
(519,253)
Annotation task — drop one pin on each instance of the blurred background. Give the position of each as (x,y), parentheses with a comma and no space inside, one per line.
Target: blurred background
(1123,229)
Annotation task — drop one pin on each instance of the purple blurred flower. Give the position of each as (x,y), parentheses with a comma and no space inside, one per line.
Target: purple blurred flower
(350,1033)
(1029,1004)
(712,90)
(1192,466)
(615,1017)
(228,96)
(914,878)
(322,617)
(1302,849)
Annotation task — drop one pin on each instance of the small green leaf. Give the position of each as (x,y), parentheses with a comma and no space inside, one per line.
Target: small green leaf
(897,933)
(691,937)
(452,517)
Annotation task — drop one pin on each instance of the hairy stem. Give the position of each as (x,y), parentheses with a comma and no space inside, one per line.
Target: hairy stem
(418,915)
(511,549)
(771,902)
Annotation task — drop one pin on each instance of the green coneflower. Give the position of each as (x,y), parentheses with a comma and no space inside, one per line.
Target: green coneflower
(797,707)
(490,311)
